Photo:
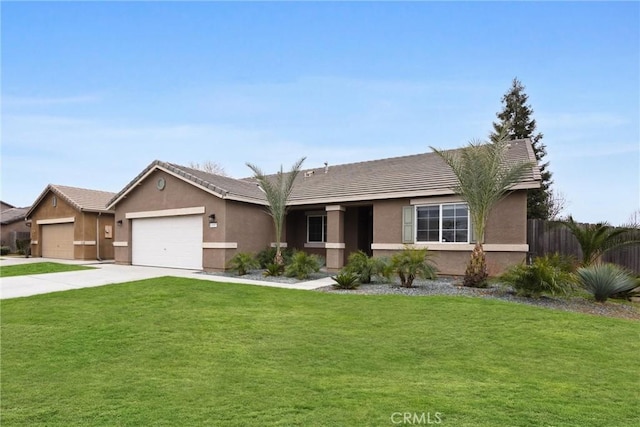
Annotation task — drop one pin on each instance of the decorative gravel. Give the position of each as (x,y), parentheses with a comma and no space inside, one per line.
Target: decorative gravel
(257,275)
(448,286)
(453,287)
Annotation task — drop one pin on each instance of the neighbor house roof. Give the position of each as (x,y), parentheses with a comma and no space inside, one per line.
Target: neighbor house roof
(418,175)
(80,198)
(12,215)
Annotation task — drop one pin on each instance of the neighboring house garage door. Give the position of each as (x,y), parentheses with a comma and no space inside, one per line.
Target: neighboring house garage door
(172,241)
(57,241)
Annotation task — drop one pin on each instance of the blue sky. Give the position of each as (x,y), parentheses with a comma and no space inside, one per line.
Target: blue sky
(94,92)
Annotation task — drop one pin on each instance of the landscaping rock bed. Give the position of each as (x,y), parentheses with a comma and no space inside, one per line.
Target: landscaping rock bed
(447,286)
(453,287)
(257,275)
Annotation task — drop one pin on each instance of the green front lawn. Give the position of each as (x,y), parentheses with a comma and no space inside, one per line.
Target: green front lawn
(173,351)
(39,268)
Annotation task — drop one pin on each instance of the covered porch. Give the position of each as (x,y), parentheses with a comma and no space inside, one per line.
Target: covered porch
(330,231)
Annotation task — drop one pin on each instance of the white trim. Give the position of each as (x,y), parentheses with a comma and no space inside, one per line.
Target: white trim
(165,212)
(316,245)
(84,242)
(334,245)
(335,208)
(453,247)
(282,244)
(120,244)
(437,200)
(219,245)
(34,242)
(56,220)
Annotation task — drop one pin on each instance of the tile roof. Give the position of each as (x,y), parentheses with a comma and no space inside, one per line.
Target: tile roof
(11,215)
(417,175)
(82,199)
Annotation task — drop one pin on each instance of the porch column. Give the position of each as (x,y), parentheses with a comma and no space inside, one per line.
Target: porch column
(335,238)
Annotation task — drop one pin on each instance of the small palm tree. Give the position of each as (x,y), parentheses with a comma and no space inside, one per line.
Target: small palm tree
(484,177)
(277,190)
(596,239)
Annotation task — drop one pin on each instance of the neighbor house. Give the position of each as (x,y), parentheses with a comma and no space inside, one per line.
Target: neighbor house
(174,216)
(13,226)
(71,223)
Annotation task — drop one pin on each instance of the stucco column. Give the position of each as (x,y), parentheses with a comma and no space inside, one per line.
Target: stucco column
(335,238)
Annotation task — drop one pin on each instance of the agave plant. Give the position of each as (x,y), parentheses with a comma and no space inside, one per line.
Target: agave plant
(346,280)
(604,280)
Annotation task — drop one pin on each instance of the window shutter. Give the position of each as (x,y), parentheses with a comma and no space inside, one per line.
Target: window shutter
(407,224)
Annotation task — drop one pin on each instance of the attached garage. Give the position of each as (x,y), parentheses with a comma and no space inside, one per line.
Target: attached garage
(57,241)
(168,241)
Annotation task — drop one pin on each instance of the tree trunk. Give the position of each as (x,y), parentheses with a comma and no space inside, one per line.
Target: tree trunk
(476,274)
(279,260)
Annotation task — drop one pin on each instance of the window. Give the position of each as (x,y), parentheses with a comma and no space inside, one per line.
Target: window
(442,223)
(317,228)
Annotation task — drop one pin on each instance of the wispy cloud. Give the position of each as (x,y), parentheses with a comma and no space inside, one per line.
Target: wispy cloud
(25,101)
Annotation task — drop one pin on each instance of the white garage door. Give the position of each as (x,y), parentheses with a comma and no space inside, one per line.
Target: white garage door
(172,241)
(57,241)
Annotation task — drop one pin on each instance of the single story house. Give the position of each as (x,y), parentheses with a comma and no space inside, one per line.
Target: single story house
(174,216)
(71,223)
(13,226)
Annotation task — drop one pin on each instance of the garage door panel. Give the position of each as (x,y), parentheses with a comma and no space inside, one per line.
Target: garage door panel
(57,241)
(167,242)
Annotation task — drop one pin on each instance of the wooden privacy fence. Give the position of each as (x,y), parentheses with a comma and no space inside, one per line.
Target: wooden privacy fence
(545,237)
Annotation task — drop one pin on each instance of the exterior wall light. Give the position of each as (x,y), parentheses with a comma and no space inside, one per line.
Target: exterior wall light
(212,221)
(119,222)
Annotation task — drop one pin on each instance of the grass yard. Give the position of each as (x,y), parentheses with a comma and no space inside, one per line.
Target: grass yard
(39,268)
(172,351)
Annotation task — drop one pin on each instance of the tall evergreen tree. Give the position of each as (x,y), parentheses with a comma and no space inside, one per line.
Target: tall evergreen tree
(516,123)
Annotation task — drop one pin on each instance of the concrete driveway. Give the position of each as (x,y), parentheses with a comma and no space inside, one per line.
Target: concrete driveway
(109,273)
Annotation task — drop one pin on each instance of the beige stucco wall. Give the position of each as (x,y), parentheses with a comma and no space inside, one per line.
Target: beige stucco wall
(84,229)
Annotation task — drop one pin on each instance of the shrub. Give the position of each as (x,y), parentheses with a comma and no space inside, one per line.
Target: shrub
(242,262)
(550,274)
(346,280)
(412,263)
(604,280)
(273,269)
(365,267)
(4,250)
(302,265)
(24,246)
(268,255)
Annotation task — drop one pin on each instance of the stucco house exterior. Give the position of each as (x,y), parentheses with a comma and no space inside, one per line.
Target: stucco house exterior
(174,216)
(13,225)
(71,223)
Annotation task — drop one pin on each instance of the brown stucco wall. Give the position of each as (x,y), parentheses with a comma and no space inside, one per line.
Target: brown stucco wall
(507,225)
(245,224)
(84,228)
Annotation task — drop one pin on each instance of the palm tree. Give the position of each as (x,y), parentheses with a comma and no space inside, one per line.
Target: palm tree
(484,177)
(596,239)
(277,190)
